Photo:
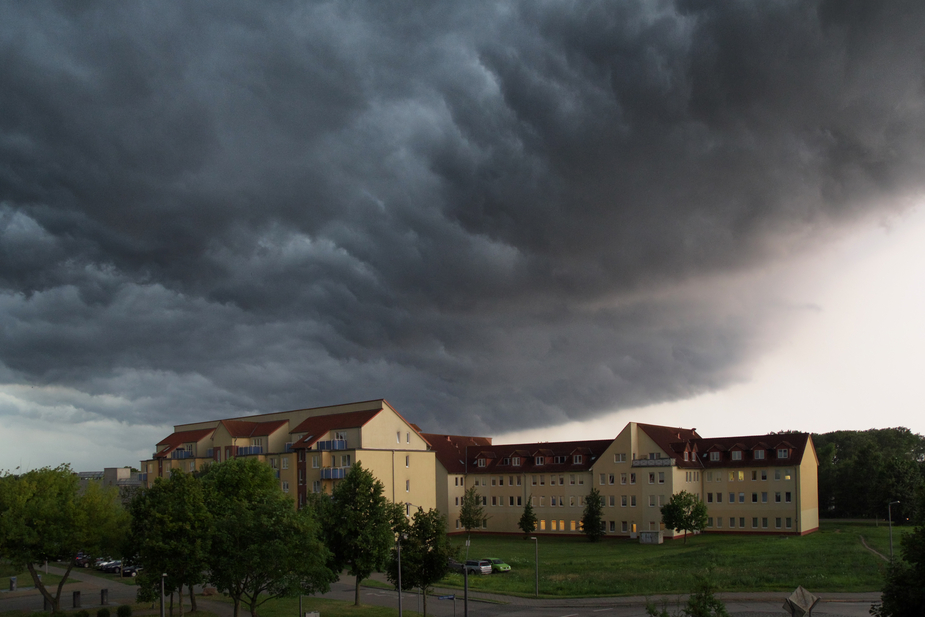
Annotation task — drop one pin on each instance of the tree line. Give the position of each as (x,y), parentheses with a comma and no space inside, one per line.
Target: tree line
(860,472)
(228,525)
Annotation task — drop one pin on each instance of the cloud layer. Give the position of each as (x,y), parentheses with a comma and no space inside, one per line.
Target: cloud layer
(488,213)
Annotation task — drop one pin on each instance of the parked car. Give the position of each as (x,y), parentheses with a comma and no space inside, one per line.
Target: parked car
(113,567)
(131,569)
(497,565)
(478,566)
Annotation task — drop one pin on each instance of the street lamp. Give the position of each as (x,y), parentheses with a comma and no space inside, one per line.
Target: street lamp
(536,569)
(889,514)
(163,578)
(398,539)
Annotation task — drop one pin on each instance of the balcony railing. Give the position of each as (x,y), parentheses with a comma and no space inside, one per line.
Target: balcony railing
(182,454)
(334,473)
(248,450)
(332,444)
(653,462)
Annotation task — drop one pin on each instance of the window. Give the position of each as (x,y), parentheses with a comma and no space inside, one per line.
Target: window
(685,456)
(741,476)
(611,478)
(519,501)
(754,475)
(603,479)
(561,525)
(732,497)
(552,501)
(651,501)
(407,461)
(533,480)
(516,461)
(709,521)
(572,525)
(407,486)
(285,462)
(754,497)
(732,476)
(316,461)
(719,522)
(571,479)
(632,478)
(619,457)
(709,497)
(407,437)
(632,501)
(623,526)
(622,501)
(759,455)
(542,501)
(571,501)
(622,478)
(484,500)
(552,480)
(543,524)
(612,498)
(613,526)
(741,497)
(345,460)
(714,456)
(732,522)
(764,522)
(506,461)
(764,474)
(719,498)
(398,437)
(301,477)
(783,453)
(457,501)
(541,460)
(754,522)
(661,477)
(709,476)
(511,500)
(787,475)
(764,497)
(742,522)
(494,500)
(481,462)
(542,480)
(787,497)
(342,435)
(501,480)
(777,498)
(789,522)
(316,486)
(577,459)
(301,456)
(581,480)
(651,477)
(561,480)
(518,480)
(457,523)
(737,455)
(777,522)
(285,486)
(552,524)
(777,474)
(559,460)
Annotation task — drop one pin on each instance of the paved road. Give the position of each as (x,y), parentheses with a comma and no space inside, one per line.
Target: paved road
(764,604)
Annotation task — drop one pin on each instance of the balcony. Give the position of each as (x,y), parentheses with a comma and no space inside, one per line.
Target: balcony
(142,477)
(334,473)
(249,450)
(182,454)
(653,462)
(332,444)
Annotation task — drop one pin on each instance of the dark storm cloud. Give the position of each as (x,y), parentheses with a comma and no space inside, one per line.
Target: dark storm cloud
(482,212)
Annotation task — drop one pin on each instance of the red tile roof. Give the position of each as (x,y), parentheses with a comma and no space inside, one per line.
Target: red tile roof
(317,427)
(175,440)
(243,428)
(590,450)
(450,450)
(796,443)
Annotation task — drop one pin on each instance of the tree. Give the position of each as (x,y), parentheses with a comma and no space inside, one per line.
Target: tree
(425,553)
(527,521)
(701,603)
(592,517)
(471,513)
(684,512)
(45,516)
(357,523)
(903,593)
(171,533)
(262,547)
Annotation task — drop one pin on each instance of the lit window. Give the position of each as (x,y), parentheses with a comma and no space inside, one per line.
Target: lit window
(787,475)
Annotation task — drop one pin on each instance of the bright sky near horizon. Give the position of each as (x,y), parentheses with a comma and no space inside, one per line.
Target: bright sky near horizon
(561,216)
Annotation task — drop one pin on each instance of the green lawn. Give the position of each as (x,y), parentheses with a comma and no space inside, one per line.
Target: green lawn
(23,578)
(575,567)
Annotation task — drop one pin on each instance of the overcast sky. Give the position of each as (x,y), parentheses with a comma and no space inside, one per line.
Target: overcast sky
(498,216)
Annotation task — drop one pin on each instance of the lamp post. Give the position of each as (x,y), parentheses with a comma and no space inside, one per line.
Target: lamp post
(163,578)
(889,514)
(398,539)
(536,569)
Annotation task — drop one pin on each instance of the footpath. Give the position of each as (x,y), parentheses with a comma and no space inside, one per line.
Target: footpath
(89,585)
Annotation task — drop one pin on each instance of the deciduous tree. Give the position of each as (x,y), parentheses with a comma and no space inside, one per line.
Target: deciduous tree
(684,512)
(45,516)
(262,547)
(425,554)
(471,513)
(357,523)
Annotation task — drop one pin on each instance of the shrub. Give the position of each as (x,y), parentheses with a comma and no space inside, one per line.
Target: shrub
(103,612)
(124,611)
(83,613)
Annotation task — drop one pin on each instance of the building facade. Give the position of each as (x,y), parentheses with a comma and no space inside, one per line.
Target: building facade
(751,484)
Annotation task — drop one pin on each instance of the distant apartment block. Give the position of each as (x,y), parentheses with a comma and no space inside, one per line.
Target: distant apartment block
(764,484)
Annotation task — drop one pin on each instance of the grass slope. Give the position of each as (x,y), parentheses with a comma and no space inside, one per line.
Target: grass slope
(575,567)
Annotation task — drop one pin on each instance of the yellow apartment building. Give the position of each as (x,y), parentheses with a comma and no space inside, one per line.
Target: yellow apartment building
(751,484)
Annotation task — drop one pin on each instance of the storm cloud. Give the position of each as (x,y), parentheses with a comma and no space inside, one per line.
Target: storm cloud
(486,213)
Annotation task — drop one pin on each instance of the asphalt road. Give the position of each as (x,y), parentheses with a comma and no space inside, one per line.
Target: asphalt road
(480,604)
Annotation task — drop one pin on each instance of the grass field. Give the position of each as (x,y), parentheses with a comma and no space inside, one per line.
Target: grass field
(832,559)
